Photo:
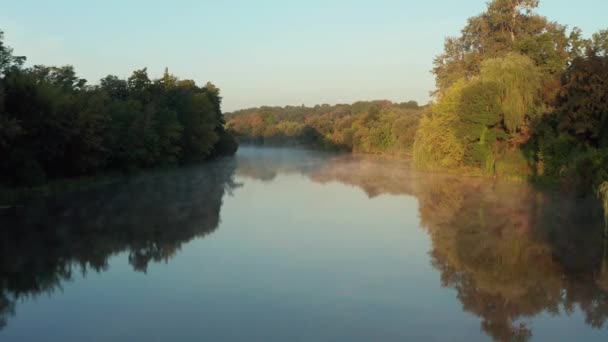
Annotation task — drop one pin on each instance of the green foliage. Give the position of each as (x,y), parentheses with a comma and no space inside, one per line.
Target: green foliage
(404,131)
(8,61)
(518,81)
(461,130)
(571,144)
(468,122)
(479,153)
(582,105)
(506,26)
(437,144)
(480,103)
(541,49)
(53,125)
(367,127)
(519,96)
(554,151)
(599,43)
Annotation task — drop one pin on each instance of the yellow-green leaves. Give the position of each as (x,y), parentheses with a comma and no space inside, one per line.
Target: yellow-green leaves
(436,144)
(519,82)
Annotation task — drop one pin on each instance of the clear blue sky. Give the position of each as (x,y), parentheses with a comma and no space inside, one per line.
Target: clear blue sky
(261,51)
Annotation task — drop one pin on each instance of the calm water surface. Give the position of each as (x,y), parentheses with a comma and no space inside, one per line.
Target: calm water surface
(293,245)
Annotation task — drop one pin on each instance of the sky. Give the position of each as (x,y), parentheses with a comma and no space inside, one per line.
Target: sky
(261,52)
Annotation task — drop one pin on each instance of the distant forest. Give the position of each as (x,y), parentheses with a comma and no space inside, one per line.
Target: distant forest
(367,127)
(53,124)
(517,95)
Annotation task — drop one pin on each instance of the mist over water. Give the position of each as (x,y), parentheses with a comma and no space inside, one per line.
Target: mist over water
(282,244)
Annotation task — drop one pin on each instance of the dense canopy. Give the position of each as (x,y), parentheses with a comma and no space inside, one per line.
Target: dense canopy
(54,125)
(519,95)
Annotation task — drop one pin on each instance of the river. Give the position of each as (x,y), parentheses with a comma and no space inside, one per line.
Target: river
(281,244)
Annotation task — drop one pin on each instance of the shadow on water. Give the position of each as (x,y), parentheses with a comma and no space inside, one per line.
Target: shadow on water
(510,251)
(46,242)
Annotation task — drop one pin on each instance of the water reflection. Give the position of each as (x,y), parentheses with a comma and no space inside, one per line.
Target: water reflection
(266,164)
(45,243)
(510,251)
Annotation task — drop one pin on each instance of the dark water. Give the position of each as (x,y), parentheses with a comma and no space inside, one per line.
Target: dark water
(290,245)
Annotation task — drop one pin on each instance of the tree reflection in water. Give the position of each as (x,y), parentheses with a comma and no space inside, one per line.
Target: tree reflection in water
(510,251)
(149,217)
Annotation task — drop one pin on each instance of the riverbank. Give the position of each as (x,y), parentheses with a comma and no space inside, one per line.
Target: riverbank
(544,182)
(16,196)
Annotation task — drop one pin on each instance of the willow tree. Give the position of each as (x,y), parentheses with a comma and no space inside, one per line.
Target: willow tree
(519,81)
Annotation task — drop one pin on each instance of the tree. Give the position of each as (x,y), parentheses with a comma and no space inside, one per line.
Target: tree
(519,82)
(570,143)
(583,101)
(197,117)
(506,26)
(7,59)
(437,144)
(599,44)
(114,87)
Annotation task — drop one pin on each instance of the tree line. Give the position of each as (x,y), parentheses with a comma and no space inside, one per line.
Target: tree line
(367,127)
(53,124)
